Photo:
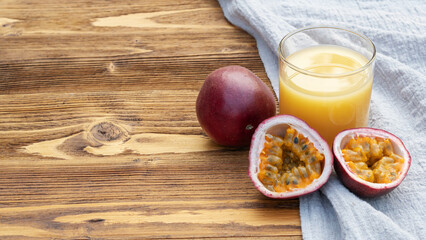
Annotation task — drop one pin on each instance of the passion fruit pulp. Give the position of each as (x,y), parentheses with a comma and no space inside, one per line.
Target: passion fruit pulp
(370,162)
(288,159)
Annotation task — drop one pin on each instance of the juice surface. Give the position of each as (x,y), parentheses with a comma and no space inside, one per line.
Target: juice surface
(329,98)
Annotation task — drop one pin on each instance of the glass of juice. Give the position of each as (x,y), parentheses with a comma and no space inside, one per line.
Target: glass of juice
(326,77)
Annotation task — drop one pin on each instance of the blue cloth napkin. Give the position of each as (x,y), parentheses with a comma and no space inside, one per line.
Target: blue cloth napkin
(398,104)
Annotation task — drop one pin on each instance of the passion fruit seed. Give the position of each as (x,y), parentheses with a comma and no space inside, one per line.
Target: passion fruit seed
(290,162)
(373,159)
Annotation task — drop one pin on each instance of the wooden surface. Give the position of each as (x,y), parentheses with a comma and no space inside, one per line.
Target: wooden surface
(98,133)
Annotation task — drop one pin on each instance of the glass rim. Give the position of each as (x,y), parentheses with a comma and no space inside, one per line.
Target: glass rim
(304,71)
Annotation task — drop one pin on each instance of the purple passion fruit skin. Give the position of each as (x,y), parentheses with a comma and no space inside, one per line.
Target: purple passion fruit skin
(231,104)
(350,179)
(277,126)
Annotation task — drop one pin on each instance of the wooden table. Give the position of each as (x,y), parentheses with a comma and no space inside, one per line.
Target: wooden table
(98,133)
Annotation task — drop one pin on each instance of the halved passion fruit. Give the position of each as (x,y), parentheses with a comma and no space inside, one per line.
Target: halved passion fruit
(288,158)
(370,162)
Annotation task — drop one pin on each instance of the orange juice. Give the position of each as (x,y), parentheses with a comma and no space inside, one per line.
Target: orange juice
(330,90)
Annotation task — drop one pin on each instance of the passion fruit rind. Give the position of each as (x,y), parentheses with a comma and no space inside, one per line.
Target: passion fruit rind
(273,131)
(231,104)
(363,187)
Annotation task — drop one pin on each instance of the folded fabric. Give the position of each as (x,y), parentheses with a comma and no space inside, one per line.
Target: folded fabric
(398,105)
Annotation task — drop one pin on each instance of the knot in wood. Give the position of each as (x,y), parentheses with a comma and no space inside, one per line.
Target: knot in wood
(108,132)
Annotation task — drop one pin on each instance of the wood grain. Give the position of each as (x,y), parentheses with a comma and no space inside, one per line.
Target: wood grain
(98,133)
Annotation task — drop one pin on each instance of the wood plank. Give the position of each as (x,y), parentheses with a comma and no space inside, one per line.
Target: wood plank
(49,31)
(166,219)
(98,132)
(123,74)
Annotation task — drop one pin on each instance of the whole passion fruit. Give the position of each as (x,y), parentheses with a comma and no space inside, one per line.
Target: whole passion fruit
(288,158)
(370,162)
(231,104)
